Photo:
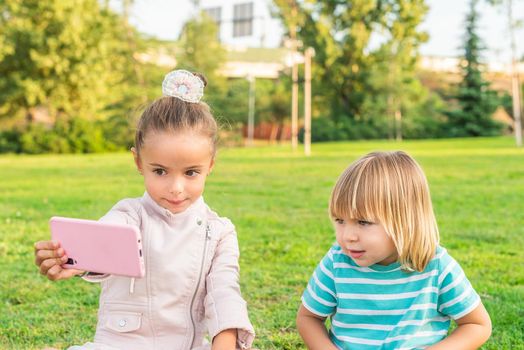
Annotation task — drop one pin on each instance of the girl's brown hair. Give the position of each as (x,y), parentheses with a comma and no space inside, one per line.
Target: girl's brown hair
(390,188)
(173,114)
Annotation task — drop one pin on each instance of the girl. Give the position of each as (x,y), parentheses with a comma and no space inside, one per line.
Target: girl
(386,283)
(191,254)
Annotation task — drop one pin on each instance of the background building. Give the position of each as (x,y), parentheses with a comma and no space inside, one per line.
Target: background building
(244,23)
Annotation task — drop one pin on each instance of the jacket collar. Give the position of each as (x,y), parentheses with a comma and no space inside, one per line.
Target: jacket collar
(196,209)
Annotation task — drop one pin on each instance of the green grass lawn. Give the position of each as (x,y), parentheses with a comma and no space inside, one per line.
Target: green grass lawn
(278,200)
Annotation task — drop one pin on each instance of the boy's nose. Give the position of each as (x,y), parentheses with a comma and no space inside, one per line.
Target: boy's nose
(350,235)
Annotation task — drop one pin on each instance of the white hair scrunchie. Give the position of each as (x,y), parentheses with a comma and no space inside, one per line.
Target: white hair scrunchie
(183,85)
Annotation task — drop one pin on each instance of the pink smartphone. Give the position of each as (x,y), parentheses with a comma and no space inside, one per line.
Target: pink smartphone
(99,247)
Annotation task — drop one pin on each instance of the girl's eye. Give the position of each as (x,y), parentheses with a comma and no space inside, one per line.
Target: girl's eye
(192,173)
(364,223)
(159,172)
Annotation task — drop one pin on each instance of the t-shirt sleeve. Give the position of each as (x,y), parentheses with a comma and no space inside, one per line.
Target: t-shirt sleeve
(320,295)
(457,297)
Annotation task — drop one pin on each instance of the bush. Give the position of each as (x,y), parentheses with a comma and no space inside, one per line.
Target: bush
(326,129)
(10,141)
(66,136)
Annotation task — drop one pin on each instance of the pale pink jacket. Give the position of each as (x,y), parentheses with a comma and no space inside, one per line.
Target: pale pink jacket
(190,287)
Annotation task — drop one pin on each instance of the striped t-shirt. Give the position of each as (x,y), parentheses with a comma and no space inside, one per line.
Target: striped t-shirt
(383,307)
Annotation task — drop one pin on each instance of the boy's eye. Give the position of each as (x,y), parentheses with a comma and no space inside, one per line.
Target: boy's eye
(192,173)
(159,171)
(364,222)
(339,221)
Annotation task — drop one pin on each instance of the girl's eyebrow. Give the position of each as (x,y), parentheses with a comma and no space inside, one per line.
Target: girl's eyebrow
(157,165)
(196,166)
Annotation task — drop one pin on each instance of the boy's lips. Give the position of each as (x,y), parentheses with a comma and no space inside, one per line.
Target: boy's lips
(356,253)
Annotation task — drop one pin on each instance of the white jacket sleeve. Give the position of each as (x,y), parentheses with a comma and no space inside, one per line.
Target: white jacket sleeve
(125,211)
(224,306)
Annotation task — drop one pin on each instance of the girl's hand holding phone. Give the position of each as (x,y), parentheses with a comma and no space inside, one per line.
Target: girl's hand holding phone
(49,257)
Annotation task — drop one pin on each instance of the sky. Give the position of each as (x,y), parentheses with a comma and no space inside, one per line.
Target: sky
(444,24)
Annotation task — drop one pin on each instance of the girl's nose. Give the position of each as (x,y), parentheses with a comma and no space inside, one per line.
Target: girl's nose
(176,186)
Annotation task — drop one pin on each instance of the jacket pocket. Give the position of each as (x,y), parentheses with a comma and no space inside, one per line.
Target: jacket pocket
(123,321)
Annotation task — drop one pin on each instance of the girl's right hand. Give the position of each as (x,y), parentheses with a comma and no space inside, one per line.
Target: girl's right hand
(49,257)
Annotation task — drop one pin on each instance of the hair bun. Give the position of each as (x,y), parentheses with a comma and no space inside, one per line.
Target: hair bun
(202,77)
(184,85)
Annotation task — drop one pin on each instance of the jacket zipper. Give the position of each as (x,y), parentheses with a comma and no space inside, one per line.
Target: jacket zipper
(208,236)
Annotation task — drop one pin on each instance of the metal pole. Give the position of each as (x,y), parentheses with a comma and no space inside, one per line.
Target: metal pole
(251,112)
(515,88)
(398,123)
(307,100)
(294,106)
(294,78)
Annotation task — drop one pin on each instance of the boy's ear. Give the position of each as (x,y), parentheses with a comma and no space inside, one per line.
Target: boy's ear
(137,160)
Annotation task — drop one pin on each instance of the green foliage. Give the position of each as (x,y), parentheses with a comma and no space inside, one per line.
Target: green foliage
(327,129)
(75,135)
(273,100)
(419,107)
(69,57)
(231,106)
(475,101)
(66,136)
(278,201)
(201,51)
(10,141)
(341,33)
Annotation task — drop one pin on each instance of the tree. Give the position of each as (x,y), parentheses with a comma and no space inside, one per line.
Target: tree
(200,47)
(475,100)
(201,51)
(516,95)
(393,75)
(341,33)
(69,58)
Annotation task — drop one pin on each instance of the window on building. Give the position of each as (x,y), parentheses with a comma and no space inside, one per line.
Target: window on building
(243,19)
(215,13)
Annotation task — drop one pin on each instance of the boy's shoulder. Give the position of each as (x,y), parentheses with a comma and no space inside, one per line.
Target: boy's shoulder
(442,257)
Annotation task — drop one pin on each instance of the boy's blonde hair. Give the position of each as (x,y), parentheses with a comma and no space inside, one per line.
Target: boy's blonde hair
(390,188)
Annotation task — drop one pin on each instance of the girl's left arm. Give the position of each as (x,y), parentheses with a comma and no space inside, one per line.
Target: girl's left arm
(225,309)
(472,331)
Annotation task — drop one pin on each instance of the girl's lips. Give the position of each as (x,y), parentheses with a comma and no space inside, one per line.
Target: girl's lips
(175,202)
(356,253)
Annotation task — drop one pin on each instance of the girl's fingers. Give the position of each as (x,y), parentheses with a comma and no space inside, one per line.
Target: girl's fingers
(68,273)
(46,245)
(53,273)
(42,255)
(58,273)
(48,264)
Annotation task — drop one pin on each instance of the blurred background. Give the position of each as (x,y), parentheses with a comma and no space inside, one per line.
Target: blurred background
(75,74)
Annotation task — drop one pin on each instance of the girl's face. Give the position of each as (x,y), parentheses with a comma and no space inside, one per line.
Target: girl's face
(175,166)
(367,243)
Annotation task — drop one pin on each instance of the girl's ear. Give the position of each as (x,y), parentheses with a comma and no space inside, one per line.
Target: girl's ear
(137,160)
(211,165)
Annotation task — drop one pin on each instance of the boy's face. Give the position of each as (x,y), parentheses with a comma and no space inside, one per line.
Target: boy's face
(367,243)
(175,167)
